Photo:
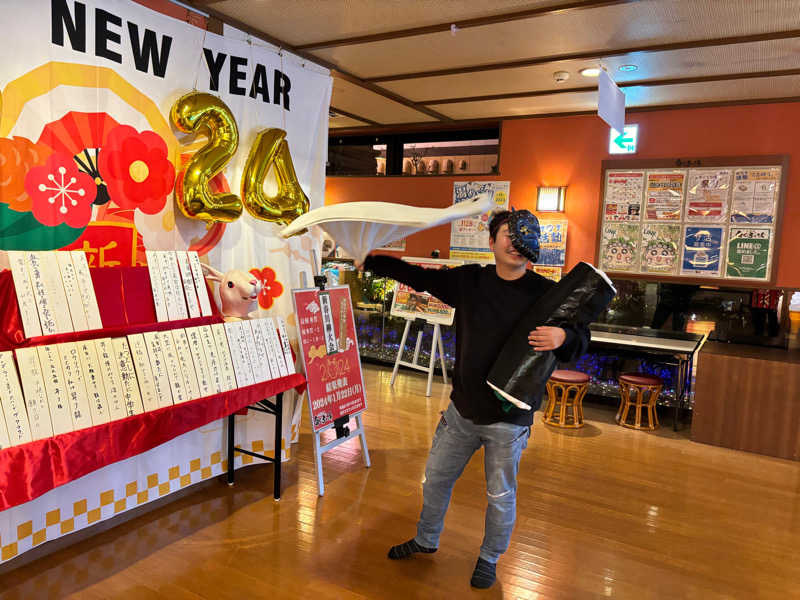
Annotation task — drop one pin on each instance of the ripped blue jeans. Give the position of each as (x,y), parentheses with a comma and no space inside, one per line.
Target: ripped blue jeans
(454,443)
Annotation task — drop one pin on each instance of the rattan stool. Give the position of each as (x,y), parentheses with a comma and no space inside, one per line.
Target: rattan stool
(639,391)
(565,390)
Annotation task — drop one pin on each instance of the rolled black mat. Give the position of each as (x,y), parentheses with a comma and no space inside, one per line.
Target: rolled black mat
(520,373)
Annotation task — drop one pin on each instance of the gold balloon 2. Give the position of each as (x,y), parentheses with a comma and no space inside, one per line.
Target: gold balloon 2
(272,150)
(198,112)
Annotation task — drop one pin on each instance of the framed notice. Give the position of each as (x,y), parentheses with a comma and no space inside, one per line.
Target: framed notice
(707,195)
(663,200)
(408,303)
(623,195)
(749,253)
(703,246)
(755,195)
(335,381)
(552,242)
(469,237)
(715,221)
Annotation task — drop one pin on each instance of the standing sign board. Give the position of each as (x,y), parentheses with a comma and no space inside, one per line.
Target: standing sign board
(329,349)
(408,303)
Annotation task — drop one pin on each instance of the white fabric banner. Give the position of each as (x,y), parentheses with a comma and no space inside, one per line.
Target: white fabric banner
(73,75)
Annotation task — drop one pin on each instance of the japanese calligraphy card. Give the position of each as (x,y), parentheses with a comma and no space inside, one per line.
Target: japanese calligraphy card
(13,402)
(189,290)
(173,286)
(157,286)
(77,396)
(25,297)
(74,300)
(48,263)
(248,342)
(45,302)
(177,383)
(115,397)
(144,372)
(30,372)
(159,368)
(262,354)
(273,350)
(86,288)
(204,378)
(213,360)
(184,354)
(199,283)
(224,356)
(130,386)
(238,350)
(287,348)
(93,380)
(55,388)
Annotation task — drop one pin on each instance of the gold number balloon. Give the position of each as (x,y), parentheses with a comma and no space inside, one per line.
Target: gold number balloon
(198,112)
(272,149)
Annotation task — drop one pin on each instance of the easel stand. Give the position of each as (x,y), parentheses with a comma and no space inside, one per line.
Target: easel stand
(343,433)
(435,344)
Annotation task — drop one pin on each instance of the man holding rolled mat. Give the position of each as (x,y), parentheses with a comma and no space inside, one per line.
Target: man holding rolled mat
(489,302)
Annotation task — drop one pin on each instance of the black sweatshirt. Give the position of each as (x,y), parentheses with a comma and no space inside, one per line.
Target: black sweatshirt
(487,310)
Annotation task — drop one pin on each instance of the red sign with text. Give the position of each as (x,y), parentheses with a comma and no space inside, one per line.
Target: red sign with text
(327,332)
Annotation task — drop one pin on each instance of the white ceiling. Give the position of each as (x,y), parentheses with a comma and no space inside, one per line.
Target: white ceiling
(503,47)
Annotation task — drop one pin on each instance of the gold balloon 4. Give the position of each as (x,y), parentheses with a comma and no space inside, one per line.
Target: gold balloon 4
(272,150)
(198,112)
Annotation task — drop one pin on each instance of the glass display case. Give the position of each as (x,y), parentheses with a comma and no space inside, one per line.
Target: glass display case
(728,315)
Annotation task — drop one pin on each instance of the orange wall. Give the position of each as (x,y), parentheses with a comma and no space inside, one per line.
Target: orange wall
(569,150)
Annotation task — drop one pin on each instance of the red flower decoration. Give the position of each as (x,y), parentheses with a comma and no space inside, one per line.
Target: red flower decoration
(136,169)
(271,288)
(60,193)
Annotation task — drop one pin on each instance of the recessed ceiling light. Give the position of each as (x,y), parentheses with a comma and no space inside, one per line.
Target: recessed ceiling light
(590,72)
(628,68)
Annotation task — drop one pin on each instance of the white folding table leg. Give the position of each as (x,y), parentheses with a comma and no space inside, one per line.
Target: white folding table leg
(441,354)
(432,361)
(363,437)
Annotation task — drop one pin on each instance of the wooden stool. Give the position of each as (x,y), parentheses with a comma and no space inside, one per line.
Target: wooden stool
(565,390)
(632,390)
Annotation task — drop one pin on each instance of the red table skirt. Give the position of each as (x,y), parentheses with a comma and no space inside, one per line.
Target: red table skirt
(30,470)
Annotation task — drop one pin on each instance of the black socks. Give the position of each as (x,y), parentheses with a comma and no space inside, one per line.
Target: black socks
(484,574)
(408,548)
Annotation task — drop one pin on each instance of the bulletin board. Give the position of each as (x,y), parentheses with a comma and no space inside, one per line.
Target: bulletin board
(710,220)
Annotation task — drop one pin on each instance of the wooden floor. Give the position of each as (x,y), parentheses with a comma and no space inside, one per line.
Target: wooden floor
(602,512)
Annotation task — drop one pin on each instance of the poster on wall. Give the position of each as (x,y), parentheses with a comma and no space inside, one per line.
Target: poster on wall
(661,244)
(469,238)
(619,247)
(702,250)
(707,195)
(396,246)
(623,195)
(329,349)
(755,195)
(664,195)
(551,273)
(553,242)
(408,303)
(749,253)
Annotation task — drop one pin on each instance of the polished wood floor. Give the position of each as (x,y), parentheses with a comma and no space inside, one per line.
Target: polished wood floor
(603,512)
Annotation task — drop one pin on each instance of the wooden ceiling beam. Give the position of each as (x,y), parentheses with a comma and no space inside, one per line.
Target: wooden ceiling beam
(593,55)
(335,69)
(343,131)
(624,84)
(354,116)
(463,24)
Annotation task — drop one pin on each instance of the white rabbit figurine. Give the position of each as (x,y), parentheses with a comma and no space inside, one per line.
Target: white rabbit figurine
(238,290)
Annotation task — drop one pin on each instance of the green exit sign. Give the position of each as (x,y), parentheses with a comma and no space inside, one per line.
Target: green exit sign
(623,143)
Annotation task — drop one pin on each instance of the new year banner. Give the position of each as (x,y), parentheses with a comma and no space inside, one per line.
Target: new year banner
(91,157)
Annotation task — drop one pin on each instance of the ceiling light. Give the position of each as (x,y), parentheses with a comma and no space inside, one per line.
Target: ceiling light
(590,72)
(628,68)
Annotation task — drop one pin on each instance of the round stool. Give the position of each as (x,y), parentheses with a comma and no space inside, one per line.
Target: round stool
(565,391)
(639,391)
